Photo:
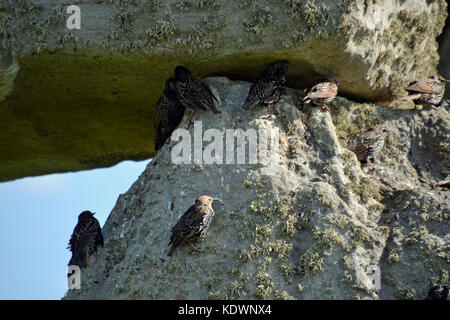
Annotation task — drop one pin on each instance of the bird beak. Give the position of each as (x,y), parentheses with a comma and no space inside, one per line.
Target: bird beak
(93,213)
(217,199)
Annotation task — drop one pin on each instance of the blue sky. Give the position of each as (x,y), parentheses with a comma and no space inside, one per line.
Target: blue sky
(38,215)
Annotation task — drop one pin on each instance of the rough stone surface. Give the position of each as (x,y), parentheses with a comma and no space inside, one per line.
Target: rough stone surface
(310,229)
(85,98)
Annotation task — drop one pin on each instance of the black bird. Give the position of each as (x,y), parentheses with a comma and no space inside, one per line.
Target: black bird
(85,239)
(427,91)
(168,115)
(438,293)
(321,92)
(193,224)
(268,87)
(193,92)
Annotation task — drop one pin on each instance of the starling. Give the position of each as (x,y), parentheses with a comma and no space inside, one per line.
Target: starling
(444,183)
(321,92)
(168,115)
(193,92)
(427,91)
(370,144)
(193,224)
(85,239)
(438,293)
(268,87)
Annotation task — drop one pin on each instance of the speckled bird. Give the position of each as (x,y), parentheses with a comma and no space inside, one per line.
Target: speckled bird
(370,144)
(440,292)
(268,87)
(321,92)
(193,224)
(85,239)
(193,92)
(427,91)
(168,115)
(444,183)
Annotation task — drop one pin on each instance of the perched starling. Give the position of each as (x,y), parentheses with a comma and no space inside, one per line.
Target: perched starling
(85,239)
(268,87)
(193,92)
(444,183)
(193,224)
(168,115)
(321,92)
(438,293)
(370,144)
(427,91)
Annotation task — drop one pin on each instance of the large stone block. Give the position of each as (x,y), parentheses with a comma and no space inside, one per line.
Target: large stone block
(85,98)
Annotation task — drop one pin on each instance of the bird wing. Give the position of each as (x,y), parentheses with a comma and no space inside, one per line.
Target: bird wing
(208,89)
(424,86)
(252,99)
(204,96)
(263,90)
(189,95)
(99,234)
(188,225)
(371,142)
(361,150)
(80,249)
(170,114)
(83,233)
(209,97)
(277,92)
(159,111)
(193,91)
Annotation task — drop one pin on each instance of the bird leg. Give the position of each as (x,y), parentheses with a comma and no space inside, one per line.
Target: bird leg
(369,163)
(191,116)
(193,248)
(325,107)
(270,113)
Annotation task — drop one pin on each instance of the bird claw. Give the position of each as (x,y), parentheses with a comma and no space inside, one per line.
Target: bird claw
(193,248)
(270,115)
(196,251)
(372,168)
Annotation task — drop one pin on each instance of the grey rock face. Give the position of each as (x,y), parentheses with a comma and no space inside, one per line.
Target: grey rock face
(367,46)
(310,225)
(125,50)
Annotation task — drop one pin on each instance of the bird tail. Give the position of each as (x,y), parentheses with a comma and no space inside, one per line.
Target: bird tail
(411,97)
(172,249)
(213,108)
(249,104)
(78,259)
